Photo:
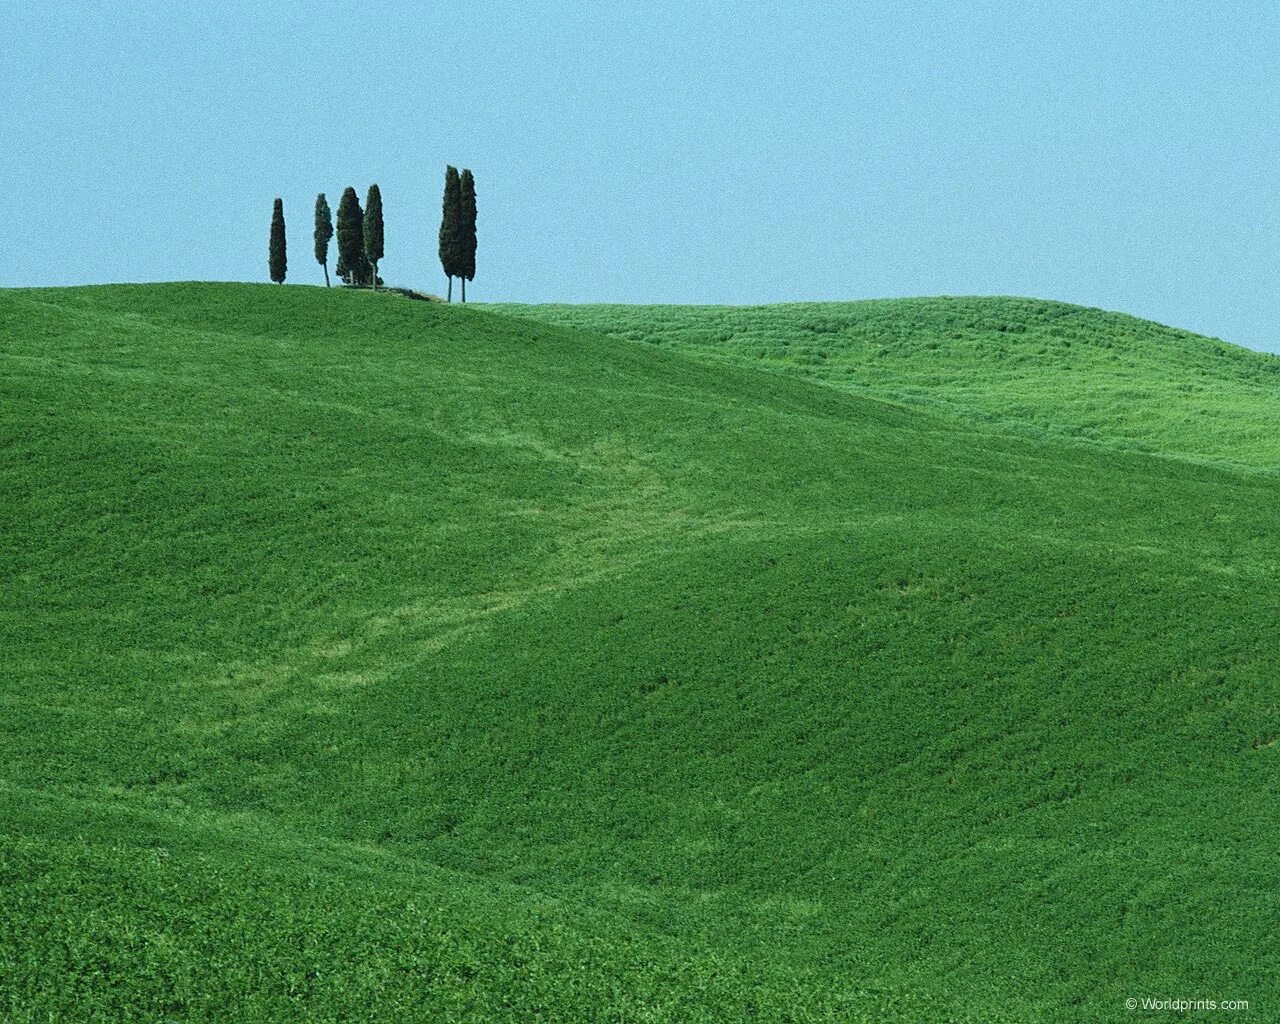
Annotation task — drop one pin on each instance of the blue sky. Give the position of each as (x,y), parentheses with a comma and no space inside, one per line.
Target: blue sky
(1117,154)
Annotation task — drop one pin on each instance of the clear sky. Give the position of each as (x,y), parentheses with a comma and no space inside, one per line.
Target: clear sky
(1119,153)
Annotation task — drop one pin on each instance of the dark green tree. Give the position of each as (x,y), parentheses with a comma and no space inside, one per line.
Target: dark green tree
(373,232)
(352,265)
(451,227)
(467,232)
(324,232)
(276,262)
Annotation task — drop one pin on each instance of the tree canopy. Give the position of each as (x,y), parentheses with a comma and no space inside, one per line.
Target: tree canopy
(276,262)
(353,267)
(323,232)
(467,230)
(373,231)
(451,226)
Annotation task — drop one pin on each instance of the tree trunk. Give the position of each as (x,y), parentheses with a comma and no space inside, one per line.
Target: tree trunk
(450,298)
(464,288)
(375,274)
(326,273)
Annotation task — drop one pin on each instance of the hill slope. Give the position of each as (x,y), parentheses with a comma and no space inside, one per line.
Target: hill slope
(389,660)
(1040,368)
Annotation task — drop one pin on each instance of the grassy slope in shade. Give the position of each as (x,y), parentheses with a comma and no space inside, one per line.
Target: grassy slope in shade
(1024,365)
(368,659)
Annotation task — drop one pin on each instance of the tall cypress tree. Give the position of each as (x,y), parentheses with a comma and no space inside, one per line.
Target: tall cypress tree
(451,226)
(324,232)
(276,262)
(373,232)
(351,260)
(467,232)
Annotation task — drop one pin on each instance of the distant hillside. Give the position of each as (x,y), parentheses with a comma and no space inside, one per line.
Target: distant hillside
(388,660)
(1020,364)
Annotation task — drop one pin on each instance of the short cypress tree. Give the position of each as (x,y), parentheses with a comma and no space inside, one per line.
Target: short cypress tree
(373,232)
(451,226)
(276,262)
(324,232)
(351,259)
(467,232)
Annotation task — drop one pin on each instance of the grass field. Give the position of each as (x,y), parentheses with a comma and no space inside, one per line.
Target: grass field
(1020,365)
(369,659)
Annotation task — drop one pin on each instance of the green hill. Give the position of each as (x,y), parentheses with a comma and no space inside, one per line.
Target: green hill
(1039,368)
(380,660)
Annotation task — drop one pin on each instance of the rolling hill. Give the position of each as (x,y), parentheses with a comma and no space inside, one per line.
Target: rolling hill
(380,660)
(1019,365)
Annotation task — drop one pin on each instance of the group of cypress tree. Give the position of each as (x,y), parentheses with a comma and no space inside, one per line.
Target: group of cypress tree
(360,240)
(458,228)
(360,235)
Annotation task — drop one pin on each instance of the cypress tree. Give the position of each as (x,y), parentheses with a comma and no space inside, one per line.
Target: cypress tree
(467,231)
(451,226)
(324,232)
(351,260)
(276,262)
(373,231)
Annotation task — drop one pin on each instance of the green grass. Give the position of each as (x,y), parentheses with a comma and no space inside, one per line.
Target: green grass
(1037,368)
(372,659)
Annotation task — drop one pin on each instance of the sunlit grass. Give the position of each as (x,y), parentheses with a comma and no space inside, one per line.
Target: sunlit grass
(372,659)
(1019,364)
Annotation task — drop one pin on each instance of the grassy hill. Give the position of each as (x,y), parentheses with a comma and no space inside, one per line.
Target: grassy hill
(370,659)
(1038,368)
